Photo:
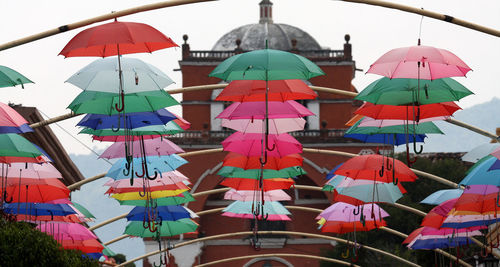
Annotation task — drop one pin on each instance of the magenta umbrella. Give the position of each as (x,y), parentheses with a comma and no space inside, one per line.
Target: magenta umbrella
(276,126)
(66,231)
(9,117)
(370,122)
(257,110)
(249,195)
(419,62)
(153,147)
(31,171)
(345,212)
(269,217)
(251,144)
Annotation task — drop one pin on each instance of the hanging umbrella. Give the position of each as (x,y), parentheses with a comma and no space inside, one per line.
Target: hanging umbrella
(479,152)
(158,164)
(251,144)
(169,129)
(138,182)
(388,91)
(340,211)
(25,190)
(269,209)
(10,77)
(368,167)
(421,128)
(15,148)
(11,121)
(478,198)
(152,188)
(441,196)
(252,184)
(342,227)
(167,213)
(431,238)
(25,170)
(369,192)
(274,163)
(481,175)
(249,195)
(419,62)
(38,209)
(233,172)
(66,231)
(391,139)
(276,126)
(135,120)
(85,246)
(165,228)
(255,90)
(153,147)
(182,198)
(257,110)
(385,112)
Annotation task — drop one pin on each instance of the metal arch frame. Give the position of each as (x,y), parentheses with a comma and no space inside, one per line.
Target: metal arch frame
(386,229)
(270,255)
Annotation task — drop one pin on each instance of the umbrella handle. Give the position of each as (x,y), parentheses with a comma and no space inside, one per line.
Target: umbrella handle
(119,124)
(143,171)
(5,197)
(498,197)
(345,254)
(126,171)
(426,91)
(381,171)
(355,212)
(120,109)
(263,162)
(395,180)
(147,173)
(415,147)
(143,192)
(272,148)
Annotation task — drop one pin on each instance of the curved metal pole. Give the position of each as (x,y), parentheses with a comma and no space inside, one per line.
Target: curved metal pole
(277,255)
(429,14)
(340,240)
(82,182)
(82,23)
(99,225)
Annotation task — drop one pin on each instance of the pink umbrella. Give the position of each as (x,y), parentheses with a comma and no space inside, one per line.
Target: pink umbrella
(251,144)
(496,153)
(9,117)
(249,195)
(153,147)
(138,182)
(370,122)
(66,231)
(270,217)
(341,211)
(404,62)
(257,110)
(31,171)
(276,126)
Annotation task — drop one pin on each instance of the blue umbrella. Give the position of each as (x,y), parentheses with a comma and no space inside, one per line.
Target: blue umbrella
(459,225)
(441,196)
(38,209)
(481,175)
(386,138)
(24,128)
(134,120)
(167,213)
(331,174)
(160,164)
(440,243)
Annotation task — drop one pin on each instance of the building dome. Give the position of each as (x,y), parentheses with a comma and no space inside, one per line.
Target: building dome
(254,36)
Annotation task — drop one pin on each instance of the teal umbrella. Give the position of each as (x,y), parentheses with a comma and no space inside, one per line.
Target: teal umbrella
(83,210)
(234,172)
(10,77)
(165,228)
(170,128)
(421,128)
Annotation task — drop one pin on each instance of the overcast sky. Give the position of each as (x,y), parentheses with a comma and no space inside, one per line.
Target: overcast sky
(373,31)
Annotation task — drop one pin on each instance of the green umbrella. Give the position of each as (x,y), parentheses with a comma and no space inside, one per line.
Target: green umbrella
(170,128)
(13,145)
(83,210)
(387,91)
(233,172)
(266,64)
(166,228)
(104,102)
(108,252)
(164,201)
(10,77)
(421,128)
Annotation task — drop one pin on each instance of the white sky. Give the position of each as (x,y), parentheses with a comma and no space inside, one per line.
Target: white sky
(373,31)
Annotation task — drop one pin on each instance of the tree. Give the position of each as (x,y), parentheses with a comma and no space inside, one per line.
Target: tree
(22,245)
(120,258)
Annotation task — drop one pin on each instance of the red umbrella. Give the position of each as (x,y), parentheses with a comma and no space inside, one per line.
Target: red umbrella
(26,191)
(419,62)
(116,38)
(412,113)
(85,246)
(340,227)
(255,90)
(252,184)
(273,163)
(376,167)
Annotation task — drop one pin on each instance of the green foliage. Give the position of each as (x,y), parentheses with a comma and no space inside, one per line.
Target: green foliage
(404,221)
(120,258)
(22,245)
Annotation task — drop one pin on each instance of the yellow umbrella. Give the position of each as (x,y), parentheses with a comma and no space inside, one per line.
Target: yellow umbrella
(155,194)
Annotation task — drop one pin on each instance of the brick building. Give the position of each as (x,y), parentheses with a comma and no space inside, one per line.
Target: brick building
(325,131)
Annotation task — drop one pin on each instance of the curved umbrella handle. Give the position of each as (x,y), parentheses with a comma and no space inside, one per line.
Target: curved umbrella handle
(356,212)
(122,98)
(381,171)
(119,124)
(485,254)
(147,173)
(270,149)
(5,197)
(143,192)
(265,217)
(395,180)
(498,199)
(127,172)
(263,161)
(152,227)
(415,146)
(256,209)
(345,254)
(143,171)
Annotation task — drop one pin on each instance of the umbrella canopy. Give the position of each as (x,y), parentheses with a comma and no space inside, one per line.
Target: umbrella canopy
(165,228)
(478,198)
(344,212)
(480,152)
(252,184)
(152,147)
(441,196)
(421,128)
(273,163)
(162,187)
(38,209)
(251,144)
(390,112)
(257,110)
(482,175)
(116,38)
(10,77)
(182,198)
(27,191)
(267,65)
(31,171)
(160,164)
(233,172)
(367,167)
(15,148)
(386,91)
(276,126)
(154,194)
(66,231)
(134,120)
(167,213)
(378,192)
(85,246)
(10,118)
(341,227)
(269,217)
(245,207)
(250,195)
(391,139)
(255,90)
(419,62)
(370,122)
(168,129)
